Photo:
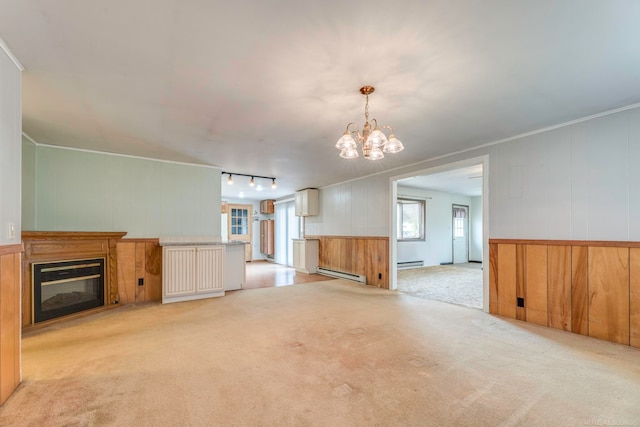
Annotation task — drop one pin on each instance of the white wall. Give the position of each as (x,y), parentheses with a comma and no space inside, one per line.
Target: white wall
(10,149)
(438,244)
(88,191)
(579,181)
(475,229)
(354,208)
(28,184)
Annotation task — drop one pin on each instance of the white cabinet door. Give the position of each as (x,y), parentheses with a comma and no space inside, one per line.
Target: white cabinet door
(305,255)
(307,202)
(178,271)
(210,274)
(298,254)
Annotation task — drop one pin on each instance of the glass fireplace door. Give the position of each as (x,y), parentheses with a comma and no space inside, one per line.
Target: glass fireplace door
(66,287)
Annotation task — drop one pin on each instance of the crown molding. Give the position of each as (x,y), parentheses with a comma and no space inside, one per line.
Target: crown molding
(84,150)
(10,54)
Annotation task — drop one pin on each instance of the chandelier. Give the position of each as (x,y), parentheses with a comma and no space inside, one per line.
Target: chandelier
(373,143)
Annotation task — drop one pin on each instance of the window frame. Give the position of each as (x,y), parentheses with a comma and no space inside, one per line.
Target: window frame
(400,219)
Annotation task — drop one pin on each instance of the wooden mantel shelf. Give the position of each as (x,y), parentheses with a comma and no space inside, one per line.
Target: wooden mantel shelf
(58,235)
(50,246)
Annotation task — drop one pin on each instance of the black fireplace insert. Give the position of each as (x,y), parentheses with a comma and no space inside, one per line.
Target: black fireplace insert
(65,287)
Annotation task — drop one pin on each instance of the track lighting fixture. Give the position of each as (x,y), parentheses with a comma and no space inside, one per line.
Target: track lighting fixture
(252,180)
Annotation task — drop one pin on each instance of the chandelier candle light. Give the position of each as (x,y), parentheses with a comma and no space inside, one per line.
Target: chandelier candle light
(373,143)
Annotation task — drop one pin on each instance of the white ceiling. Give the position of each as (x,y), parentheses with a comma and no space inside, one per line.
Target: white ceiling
(466,181)
(267,87)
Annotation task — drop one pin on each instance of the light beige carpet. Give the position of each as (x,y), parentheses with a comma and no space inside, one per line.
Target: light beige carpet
(331,353)
(447,283)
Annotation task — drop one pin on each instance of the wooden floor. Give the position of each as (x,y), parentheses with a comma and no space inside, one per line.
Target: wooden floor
(264,274)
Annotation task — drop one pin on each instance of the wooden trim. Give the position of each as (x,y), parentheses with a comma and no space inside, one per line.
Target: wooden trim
(11,249)
(599,243)
(348,237)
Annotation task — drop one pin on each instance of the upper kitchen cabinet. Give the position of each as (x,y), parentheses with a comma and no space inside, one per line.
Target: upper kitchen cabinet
(266,206)
(307,202)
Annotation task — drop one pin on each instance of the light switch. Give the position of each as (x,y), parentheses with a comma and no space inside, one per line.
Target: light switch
(12,231)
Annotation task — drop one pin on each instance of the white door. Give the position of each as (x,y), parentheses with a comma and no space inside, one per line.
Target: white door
(239,226)
(460,234)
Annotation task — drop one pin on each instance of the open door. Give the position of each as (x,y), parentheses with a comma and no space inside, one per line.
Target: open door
(239,226)
(460,229)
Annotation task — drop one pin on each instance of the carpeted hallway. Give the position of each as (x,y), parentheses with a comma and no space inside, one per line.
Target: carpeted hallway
(330,353)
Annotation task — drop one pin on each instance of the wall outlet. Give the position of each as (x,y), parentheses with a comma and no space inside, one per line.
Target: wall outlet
(520,301)
(141,282)
(12,231)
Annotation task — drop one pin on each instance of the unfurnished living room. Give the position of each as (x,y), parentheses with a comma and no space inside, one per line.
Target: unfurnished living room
(296,213)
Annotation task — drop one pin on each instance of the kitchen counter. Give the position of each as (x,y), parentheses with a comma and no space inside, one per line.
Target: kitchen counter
(198,241)
(197,267)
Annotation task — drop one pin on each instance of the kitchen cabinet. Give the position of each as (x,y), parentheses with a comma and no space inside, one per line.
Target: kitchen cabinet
(266,206)
(192,272)
(305,255)
(307,202)
(267,236)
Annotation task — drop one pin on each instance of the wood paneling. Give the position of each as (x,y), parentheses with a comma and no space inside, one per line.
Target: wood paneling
(10,324)
(588,290)
(535,267)
(507,280)
(153,270)
(559,287)
(139,259)
(493,278)
(609,294)
(634,297)
(359,255)
(521,313)
(579,290)
(127,272)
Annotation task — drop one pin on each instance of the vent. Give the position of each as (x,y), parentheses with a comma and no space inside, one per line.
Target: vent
(410,264)
(342,275)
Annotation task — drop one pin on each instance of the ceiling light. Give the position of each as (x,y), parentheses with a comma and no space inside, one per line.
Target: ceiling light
(252,181)
(373,143)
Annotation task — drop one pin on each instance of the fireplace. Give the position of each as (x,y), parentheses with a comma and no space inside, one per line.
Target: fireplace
(65,287)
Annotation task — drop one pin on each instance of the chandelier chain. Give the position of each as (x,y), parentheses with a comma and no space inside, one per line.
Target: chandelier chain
(366,109)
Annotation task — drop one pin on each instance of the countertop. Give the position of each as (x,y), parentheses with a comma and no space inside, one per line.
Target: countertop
(198,241)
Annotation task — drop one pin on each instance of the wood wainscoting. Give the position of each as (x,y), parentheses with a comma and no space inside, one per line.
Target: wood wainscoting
(139,259)
(587,287)
(368,256)
(10,324)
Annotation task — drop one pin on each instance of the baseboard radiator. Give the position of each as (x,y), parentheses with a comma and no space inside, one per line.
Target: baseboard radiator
(342,275)
(410,264)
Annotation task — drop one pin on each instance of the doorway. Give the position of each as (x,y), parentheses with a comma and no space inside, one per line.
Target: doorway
(239,226)
(457,228)
(460,234)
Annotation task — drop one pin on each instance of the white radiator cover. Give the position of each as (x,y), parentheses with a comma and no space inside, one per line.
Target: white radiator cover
(342,275)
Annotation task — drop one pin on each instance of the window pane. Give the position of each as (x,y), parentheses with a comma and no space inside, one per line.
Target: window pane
(410,219)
